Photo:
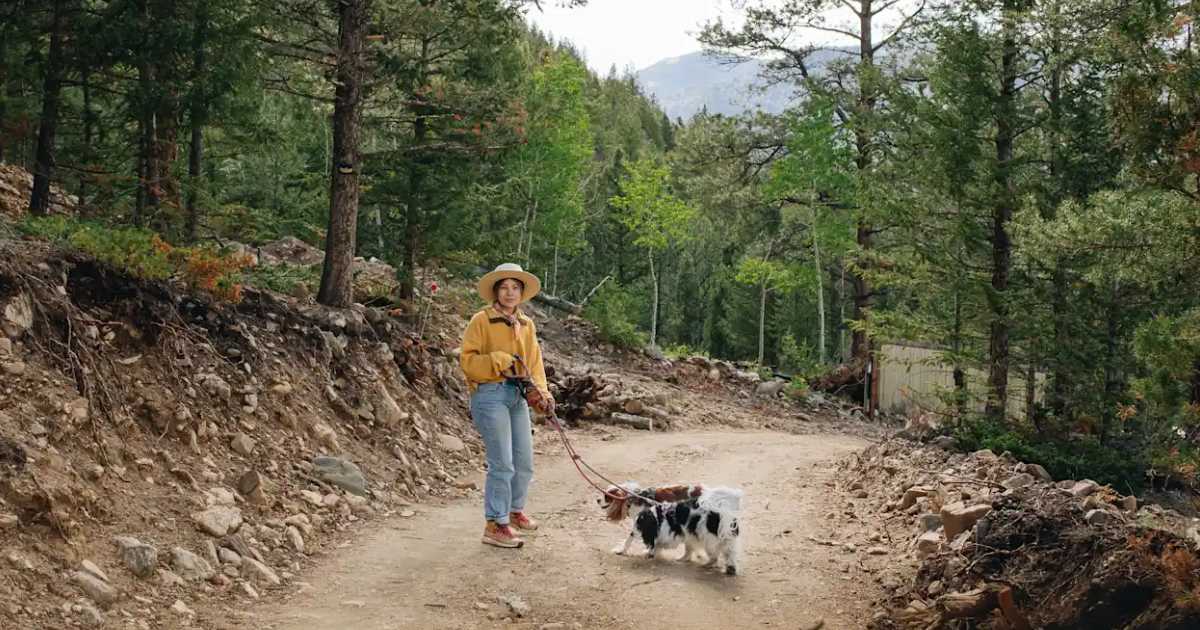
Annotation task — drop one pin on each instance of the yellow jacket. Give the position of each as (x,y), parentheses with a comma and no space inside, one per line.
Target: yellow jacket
(489,345)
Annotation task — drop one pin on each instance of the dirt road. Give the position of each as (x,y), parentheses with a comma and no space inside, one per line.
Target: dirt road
(430,571)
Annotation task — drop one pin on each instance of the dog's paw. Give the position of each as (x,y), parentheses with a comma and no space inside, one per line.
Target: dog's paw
(731,570)
(619,550)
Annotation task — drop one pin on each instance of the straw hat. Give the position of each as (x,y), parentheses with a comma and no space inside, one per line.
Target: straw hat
(509,270)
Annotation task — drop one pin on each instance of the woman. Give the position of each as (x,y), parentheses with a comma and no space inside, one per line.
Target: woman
(500,357)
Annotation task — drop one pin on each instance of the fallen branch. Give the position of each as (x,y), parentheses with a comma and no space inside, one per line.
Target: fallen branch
(637,422)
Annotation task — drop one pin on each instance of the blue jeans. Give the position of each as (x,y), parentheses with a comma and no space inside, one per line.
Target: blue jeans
(502,417)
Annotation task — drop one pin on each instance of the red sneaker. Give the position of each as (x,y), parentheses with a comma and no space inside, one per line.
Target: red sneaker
(522,522)
(500,536)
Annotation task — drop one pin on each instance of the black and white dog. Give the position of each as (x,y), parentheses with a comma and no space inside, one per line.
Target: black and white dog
(663,526)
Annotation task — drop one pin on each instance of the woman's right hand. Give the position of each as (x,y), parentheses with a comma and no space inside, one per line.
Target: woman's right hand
(502,360)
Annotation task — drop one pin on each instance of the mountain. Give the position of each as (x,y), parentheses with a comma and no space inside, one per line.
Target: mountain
(684,85)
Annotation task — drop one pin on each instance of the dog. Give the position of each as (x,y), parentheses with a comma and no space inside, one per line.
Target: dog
(698,518)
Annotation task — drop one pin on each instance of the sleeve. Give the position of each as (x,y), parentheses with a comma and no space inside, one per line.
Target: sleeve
(477,365)
(537,370)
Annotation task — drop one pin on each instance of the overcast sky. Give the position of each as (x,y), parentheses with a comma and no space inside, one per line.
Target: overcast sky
(639,33)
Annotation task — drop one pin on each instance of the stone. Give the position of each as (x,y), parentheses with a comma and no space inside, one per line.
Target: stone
(219,496)
(295,539)
(1084,488)
(1018,481)
(860,494)
(928,544)
(387,411)
(515,604)
(219,521)
(19,562)
(911,495)
(1101,517)
(1129,503)
(985,455)
(190,566)
(91,617)
(312,498)
(451,443)
(229,556)
(325,436)
(258,572)
(944,442)
(1039,472)
(249,482)
(170,578)
(8,521)
(331,500)
(96,589)
(90,567)
(634,406)
(929,521)
(217,386)
(242,444)
(341,473)
(17,316)
(877,551)
(958,517)
(181,608)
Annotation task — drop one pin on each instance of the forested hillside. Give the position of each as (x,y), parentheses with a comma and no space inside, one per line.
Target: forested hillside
(1011,183)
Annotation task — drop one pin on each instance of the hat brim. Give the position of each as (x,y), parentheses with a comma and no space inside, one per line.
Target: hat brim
(533,286)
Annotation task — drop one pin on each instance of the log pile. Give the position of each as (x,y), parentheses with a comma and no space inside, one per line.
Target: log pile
(602,398)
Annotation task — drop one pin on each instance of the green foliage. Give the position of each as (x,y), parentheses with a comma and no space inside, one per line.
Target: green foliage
(1078,458)
(285,278)
(613,310)
(652,211)
(798,357)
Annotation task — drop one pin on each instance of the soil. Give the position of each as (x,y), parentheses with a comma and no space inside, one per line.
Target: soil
(430,571)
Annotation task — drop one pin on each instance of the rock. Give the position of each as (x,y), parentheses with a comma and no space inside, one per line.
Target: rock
(17,316)
(217,386)
(258,572)
(929,522)
(189,566)
(249,482)
(90,567)
(312,498)
(341,473)
(300,521)
(242,444)
(921,427)
(958,517)
(6,347)
(451,443)
(877,551)
(860,494)
(1084,488)
(944,442)
(180,608)
(331,500)
(219,521)
(1129,503)
(770,389)
(91,617)
(936,588)
(1018,481)
(386,409)
(515,604)
(1101,517)
(1038,471)
(229,556)
(96,589)
(282,389)
(170,578)
(634,406)
(985,455)
(8,521)
(219,496)
(18,562)
(295,539)
(928,544)
(325,436)
(37,429)
(139,558)
(249,590)
(911,495)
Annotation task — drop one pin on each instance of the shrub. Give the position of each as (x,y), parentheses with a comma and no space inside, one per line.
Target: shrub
(144,254)
(613,311)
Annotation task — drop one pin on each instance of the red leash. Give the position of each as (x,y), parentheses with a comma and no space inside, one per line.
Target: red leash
(620,495)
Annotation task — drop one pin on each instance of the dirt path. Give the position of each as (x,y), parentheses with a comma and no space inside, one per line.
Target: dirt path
(430,571)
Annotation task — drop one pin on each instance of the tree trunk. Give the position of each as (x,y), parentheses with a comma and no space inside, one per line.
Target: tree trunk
(43,170)
(199,116)
(336,277)
(998,346)
(960,375)
(762,321)
(554,275)
(820,290)
(413,210)
(147,196)
(89,125)
(860,344)
(1031,394)
(654,306)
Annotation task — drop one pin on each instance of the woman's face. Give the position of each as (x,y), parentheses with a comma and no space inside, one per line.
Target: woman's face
(509,293)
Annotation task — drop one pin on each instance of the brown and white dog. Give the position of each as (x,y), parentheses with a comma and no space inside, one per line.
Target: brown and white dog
(665,517)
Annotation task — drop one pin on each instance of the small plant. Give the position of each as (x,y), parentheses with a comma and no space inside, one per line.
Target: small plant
(144,254)
(798,388)
(612,311)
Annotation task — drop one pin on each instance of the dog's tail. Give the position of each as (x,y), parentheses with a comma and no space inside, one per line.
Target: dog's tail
(722,499)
